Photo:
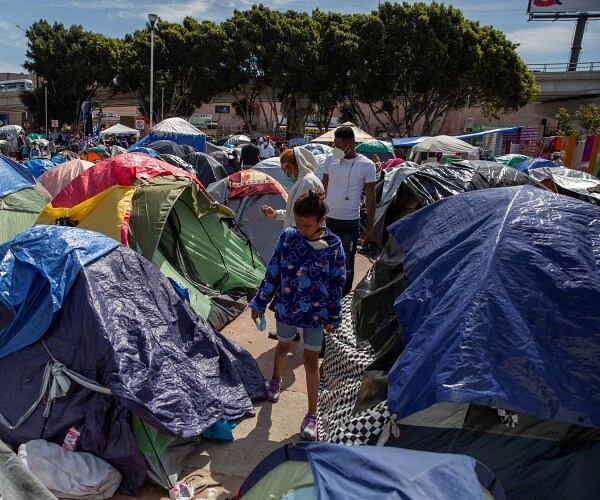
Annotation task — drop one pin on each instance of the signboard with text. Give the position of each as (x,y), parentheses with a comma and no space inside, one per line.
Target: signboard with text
(54,123)
(219,108)
(560,6)
(139,124)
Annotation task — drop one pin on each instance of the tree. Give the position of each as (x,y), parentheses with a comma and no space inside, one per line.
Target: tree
(186,64)
(430,61)
(589,118)
(73,63)
(565,125)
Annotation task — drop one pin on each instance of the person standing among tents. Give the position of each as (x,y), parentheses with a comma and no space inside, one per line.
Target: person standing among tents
(266,148)
(250,154)
(346,175)
(303,285)
(299,166)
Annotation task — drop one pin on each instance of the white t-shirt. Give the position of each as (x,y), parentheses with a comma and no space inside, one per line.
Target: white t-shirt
(347,179)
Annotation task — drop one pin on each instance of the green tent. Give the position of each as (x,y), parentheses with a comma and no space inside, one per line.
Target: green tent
(512,160)
(163,213)
(375,146)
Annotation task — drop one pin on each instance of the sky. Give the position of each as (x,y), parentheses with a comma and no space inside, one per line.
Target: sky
(540,42)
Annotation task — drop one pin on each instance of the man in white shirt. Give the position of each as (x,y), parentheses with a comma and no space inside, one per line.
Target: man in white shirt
(266,148)
(346,175)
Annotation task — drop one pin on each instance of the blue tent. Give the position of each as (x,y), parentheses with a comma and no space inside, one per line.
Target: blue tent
(38,166)
(502,305)
(117,339)
(360,472)
(177,130)
(13,176)
(532,163)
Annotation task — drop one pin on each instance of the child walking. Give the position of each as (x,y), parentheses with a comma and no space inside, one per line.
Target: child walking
(303,284)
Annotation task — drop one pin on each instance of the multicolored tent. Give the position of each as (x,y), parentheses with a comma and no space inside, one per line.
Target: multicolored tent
(163,212)
(245,193)
(21,198)
(55,179)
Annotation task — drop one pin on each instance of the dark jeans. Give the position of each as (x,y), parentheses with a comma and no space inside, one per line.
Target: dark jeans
(347,231)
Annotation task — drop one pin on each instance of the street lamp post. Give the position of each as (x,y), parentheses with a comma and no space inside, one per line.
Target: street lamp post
(152,18)
(46,104)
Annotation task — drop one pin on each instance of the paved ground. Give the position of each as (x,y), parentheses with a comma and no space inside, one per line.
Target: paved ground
(274,424)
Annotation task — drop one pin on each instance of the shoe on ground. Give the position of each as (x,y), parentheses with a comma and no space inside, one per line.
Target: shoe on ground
(308,429)
(273,390)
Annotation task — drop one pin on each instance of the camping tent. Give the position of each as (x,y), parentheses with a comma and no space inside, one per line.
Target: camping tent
(21,198)
(9,142)
(38,166)
(55,179)
(162,212)
(177,130)
(533,163)
(116,339)
(359,134)
(119,129)
(481,292)
(568,182)
(206,168)
(325,470)
(245,193)
(446,145)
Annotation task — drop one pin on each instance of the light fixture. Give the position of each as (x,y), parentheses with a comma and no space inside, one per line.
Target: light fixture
(152,18)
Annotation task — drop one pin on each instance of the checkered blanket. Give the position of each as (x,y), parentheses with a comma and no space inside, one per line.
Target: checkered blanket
(343,367)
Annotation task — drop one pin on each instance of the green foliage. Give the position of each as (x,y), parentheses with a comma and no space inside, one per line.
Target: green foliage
(74,63)
(589,118)
(410,63)
(565,125)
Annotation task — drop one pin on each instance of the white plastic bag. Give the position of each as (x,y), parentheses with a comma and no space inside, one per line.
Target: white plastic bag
(70,474)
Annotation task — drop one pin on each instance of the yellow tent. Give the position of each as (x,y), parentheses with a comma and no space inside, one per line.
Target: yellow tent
(359,134)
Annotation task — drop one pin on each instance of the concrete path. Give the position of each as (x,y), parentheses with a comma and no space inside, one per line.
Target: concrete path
(274,424)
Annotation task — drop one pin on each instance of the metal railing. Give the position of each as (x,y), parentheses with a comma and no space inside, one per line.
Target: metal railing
(564,67)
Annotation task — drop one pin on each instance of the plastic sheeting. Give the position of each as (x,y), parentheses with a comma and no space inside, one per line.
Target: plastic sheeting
(124,326)
(37,269)
(569,182)
(533,163)
(501,309)
(13,176)
(383,472)
(38,166)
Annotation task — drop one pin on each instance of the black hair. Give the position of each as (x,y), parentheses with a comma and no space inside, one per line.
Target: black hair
(311,204)
(345,133)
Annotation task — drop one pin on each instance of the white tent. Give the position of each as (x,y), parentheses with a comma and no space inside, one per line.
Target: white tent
(446,145)
(119,129)
(359,134)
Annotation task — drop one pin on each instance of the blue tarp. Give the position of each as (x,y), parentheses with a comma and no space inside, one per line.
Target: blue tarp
(359,472)
(140,149)
(502,308)
(14,177)
(38,166)
(526,165)
(37,270)
(504,130)
(408,142)
(123,325)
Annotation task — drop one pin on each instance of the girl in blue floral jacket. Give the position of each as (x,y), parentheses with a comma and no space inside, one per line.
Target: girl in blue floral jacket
(303,284)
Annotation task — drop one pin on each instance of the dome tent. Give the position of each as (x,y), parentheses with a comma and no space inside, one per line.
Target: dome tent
(113,318)
(22,198)
(163,213)
(177,130)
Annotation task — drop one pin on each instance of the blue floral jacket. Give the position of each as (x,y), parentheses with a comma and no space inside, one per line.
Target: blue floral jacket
(302,284)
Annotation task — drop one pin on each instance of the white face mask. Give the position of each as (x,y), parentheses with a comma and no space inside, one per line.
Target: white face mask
(338,153)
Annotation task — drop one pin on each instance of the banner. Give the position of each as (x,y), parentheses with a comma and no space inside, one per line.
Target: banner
(96,130)
(560,6)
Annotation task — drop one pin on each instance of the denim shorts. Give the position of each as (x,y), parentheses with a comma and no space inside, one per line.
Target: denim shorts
(313,337)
